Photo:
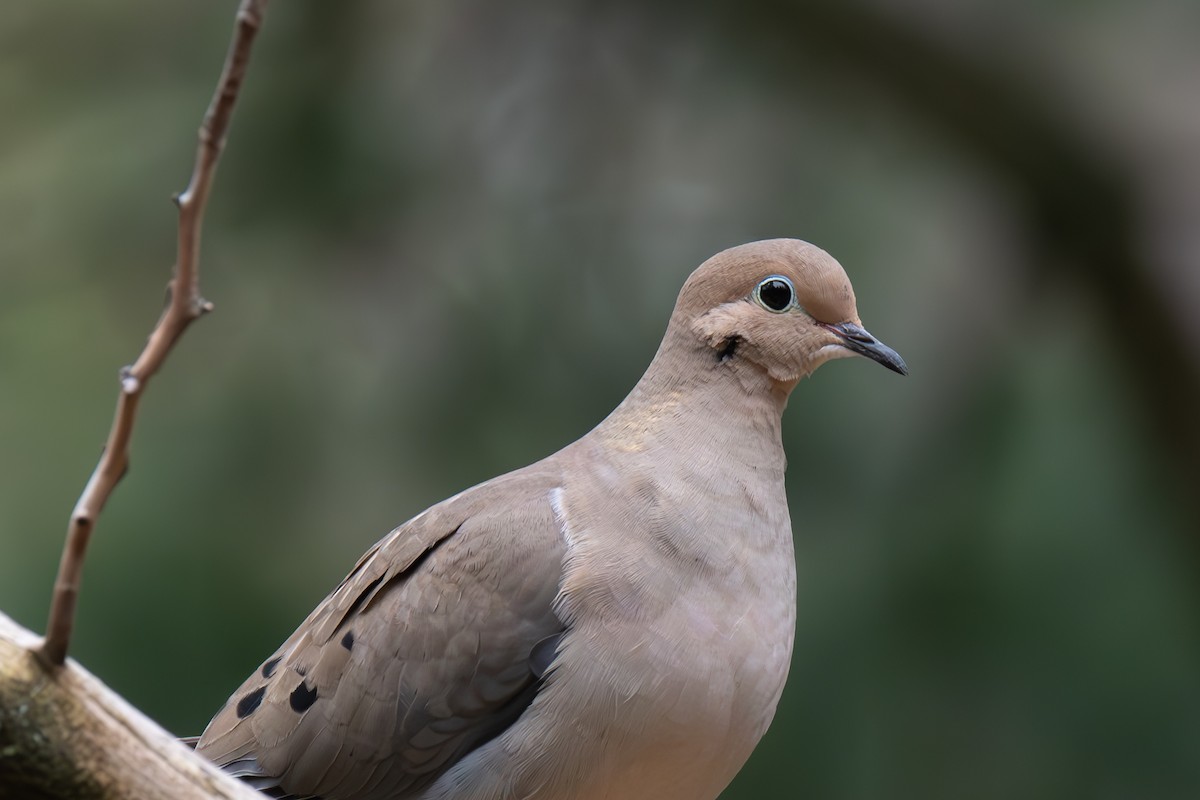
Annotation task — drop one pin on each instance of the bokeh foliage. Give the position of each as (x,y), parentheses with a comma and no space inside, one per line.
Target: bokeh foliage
(445,242)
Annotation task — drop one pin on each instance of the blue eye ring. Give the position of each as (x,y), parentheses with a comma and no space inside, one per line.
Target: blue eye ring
(775,293)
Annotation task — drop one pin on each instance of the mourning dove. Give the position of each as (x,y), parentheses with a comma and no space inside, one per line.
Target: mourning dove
(613,622)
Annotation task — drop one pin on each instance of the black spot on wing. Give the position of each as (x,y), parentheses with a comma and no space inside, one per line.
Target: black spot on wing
(348,640)
(302,697)
(268,669)
(250,702)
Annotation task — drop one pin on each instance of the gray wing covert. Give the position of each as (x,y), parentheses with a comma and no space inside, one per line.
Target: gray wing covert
(434,644)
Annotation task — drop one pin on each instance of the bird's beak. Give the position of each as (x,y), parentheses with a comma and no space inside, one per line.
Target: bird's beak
(856,339)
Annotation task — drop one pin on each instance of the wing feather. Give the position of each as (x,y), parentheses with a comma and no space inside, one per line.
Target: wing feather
(422,653)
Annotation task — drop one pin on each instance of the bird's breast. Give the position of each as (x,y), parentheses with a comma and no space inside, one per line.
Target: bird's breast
(681,629)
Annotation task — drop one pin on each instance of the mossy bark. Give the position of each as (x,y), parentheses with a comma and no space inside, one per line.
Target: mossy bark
(64,734)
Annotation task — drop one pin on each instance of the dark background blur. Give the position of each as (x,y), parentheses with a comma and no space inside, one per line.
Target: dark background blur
(445,241)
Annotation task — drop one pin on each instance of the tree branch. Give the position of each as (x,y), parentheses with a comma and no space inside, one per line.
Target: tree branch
(63,733)
(186,305)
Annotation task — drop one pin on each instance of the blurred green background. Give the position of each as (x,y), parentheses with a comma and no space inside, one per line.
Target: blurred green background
(445,241)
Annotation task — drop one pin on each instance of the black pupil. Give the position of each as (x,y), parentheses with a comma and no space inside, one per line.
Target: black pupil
(775,294)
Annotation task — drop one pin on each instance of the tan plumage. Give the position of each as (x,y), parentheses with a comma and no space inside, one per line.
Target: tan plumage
(614,622)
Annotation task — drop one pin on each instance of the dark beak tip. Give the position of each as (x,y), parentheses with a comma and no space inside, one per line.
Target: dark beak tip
(888,358)
(900,369)
(857,340)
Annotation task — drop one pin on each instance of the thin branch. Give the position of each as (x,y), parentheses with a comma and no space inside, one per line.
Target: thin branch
(186,305)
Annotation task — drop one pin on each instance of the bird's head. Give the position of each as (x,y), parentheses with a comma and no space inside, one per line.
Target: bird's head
(782,305)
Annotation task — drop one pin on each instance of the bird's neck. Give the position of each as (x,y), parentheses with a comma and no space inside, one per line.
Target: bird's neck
(693,402)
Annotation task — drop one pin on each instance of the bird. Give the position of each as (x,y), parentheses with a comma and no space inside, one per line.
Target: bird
(613,622)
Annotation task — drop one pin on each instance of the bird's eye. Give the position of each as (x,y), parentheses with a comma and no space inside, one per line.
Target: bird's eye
(775,294)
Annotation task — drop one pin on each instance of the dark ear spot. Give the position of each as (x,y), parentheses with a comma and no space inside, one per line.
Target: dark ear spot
(250,702)
(720,326)
(302,697)
(728,348)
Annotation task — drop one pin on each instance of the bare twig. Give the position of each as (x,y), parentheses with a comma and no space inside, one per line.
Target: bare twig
(185,305)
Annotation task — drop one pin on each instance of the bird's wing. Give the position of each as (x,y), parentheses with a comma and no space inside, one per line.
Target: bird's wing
(433,644)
